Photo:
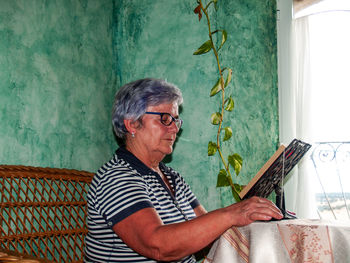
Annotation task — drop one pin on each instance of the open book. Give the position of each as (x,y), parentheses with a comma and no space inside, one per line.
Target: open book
(270,177)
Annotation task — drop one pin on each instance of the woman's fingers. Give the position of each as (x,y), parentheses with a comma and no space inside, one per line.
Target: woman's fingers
(266,208)
(253,209)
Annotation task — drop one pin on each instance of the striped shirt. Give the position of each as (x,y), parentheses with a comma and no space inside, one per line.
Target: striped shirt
(123,186)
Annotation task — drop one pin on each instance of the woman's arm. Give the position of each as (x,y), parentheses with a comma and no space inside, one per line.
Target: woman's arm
(145,233)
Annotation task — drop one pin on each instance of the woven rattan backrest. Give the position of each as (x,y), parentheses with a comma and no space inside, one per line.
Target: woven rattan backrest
(43,211)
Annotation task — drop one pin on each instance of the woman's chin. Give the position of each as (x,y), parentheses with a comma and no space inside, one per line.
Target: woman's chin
(168,150)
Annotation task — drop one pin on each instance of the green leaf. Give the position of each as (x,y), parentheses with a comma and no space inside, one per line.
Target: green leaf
(206,47)
(235,194)
(228,133)
(223,38)
(215,89)
(215,118)
(238,187)
(230,104)
(236,162)
(222,179)
(229,77)
(212,148)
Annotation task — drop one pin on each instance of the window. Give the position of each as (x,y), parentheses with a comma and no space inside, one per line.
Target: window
(314,86)
(329,50)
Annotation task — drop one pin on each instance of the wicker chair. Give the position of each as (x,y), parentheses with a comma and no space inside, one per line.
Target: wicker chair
(43,211)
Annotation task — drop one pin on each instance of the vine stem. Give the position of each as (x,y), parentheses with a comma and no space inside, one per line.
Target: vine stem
(222,83)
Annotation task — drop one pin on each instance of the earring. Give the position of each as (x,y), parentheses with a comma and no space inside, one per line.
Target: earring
(133,135)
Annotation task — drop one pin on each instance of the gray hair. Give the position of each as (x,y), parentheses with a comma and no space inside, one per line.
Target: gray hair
(131,101)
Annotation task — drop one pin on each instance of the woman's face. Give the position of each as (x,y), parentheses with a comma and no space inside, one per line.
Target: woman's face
(155,137)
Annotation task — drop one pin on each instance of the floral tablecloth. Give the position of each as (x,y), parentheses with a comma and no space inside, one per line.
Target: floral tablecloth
(290,241)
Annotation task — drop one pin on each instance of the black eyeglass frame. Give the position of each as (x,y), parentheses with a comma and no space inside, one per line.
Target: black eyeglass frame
(178,121)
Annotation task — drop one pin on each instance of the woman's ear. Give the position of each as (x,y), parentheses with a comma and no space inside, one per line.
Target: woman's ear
(130,126)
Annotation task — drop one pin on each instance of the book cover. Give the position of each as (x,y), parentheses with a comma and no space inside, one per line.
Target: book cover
(272,173)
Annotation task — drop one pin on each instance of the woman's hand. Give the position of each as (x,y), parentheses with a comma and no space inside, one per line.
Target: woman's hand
(253,209)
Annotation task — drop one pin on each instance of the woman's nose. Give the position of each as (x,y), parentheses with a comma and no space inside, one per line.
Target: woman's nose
(173,127)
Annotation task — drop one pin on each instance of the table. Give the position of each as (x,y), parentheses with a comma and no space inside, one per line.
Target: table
(290,241)
(9,256)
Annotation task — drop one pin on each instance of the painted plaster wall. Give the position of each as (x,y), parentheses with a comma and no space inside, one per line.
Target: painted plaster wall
(157,39)
(61,62)
(56,82)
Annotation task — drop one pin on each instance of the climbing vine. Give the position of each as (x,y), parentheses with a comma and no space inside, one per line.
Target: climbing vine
(216,41)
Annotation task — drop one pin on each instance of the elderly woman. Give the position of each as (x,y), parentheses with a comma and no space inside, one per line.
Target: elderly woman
(140,210)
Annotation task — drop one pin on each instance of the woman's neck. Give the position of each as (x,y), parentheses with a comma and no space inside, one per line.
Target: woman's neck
(150,160)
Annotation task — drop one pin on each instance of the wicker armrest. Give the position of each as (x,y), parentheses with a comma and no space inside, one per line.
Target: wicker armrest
(43,211)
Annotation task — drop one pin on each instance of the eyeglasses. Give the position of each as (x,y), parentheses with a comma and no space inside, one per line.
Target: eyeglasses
(166,118)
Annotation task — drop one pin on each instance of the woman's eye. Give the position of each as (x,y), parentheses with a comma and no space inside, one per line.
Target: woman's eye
(166,119)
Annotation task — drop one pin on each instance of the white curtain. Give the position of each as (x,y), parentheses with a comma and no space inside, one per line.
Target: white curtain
(299,196)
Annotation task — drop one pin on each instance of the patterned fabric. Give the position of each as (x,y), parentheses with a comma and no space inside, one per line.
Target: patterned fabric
(285,241)
(123,186)
(238,241)
(307,243)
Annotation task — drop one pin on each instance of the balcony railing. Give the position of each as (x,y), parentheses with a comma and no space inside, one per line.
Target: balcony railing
(331,162)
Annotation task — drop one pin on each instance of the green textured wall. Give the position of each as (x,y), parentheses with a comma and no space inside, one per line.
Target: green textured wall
(62,60)
(157,39)
(56,82)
